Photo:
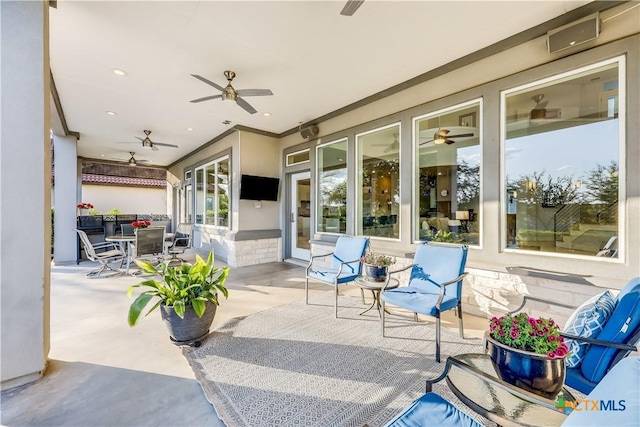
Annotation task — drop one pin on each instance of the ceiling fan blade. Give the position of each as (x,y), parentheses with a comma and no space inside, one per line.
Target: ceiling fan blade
(351,7)
(254,92)
(209,82)
(426,142)
(244,104)
(141,139)
(461,135)
(165,145)
(127,142)
(448,141)
(154,148)
(206,98)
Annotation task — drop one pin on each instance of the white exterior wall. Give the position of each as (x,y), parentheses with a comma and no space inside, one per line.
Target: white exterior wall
(25,183)
(129,200)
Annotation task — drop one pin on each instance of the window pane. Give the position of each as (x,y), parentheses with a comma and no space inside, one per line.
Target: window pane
(296,158)
(211,194)
(448,175)
(200,196)
(379,198)
(332,187)
(188,204)
(562,162)
(223,193)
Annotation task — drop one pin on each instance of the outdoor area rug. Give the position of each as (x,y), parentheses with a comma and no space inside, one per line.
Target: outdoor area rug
(297,365)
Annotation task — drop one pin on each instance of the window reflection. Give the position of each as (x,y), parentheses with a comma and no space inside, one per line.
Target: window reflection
(448,175)
(379,163)
(332,187)
(562,164)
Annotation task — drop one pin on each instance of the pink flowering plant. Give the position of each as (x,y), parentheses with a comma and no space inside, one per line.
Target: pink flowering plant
(377,260)
(526,333)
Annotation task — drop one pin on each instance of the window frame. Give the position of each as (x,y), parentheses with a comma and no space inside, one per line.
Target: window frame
(318,206)
(622,229)
(415,185)
(203,168)
(358,181)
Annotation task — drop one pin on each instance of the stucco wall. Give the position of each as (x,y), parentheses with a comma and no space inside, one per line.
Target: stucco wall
(127,199)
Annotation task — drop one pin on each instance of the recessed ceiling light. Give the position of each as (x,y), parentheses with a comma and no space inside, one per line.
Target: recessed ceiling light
(101,155)
(266,114)
(111,113)
(119,72)
(189,129)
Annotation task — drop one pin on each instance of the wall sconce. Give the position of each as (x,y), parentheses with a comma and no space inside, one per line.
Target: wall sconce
(462,215)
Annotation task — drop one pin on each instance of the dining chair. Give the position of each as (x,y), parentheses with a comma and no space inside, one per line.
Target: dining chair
(149,243)
(345,265)
(434,285)
(105,253)
(181,241)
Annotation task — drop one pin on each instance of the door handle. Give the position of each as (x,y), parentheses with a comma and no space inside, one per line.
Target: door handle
(292,217)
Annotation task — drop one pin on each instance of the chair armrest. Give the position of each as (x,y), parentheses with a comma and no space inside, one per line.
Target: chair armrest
(600,342)
(443,287)
(456,280)
(389,273)
(314,257)
(104,245)
(530,298)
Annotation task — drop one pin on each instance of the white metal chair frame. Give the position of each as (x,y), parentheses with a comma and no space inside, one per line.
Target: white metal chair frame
(105,253)
(180,244)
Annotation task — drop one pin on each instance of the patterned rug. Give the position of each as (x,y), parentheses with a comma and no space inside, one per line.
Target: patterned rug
(296,365)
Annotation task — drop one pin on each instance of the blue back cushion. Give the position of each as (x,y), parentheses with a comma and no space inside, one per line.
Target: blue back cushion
(435,264)
(623,324)
(587,321)
(349,249)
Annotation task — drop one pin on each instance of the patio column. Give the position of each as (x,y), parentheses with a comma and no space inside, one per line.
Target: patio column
(65,199)
(25,196)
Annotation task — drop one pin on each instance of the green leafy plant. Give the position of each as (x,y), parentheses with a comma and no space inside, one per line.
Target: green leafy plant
(180,286)
(523,332)
(94,212)
(114,211)
(378,260)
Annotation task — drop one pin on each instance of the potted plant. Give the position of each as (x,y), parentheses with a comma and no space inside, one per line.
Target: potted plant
(376,266)
(140,224)
(528,353)
(83,208)
(187,296)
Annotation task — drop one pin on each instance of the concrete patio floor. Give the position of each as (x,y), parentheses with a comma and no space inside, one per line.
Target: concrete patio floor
(101,372)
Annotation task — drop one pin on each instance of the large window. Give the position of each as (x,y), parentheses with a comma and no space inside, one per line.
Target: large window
(332,187)
(379,182)
(212,193)
(447,186)
(562,159)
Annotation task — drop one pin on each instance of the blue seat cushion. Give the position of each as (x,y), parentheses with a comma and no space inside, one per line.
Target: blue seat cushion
(432,410)
(329,276)
(575,379)
(623,324)
(418,301)
(587,321)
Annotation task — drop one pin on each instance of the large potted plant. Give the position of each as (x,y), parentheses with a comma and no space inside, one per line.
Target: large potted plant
(187,296)
(528,353)
(376,266)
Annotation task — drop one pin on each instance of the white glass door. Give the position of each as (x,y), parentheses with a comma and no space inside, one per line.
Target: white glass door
(300,216)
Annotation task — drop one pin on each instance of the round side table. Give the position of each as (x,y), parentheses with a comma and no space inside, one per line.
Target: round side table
(375,288)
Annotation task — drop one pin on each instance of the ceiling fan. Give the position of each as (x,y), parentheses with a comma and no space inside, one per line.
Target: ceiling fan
(148,144)
(132,160)
(394,146)
(350,7)
(539,111)
(442,137)
(232,94)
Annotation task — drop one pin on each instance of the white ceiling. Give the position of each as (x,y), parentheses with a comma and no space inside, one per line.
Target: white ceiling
(313,59)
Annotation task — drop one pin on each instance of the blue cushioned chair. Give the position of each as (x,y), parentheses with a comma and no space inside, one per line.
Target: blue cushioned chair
(345,264)
(619,385)
(435,284)
(615,341)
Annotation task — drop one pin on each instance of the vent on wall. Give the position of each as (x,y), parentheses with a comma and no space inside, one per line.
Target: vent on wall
(573,34)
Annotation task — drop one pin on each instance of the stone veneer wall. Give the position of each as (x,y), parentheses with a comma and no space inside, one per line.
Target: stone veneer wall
(252,252)
(487,293)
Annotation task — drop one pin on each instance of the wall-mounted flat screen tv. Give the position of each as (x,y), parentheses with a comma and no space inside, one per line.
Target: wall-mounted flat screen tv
(259,188)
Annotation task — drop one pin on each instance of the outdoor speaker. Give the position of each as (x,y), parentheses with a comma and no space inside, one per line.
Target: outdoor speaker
(573,34)
(309,131)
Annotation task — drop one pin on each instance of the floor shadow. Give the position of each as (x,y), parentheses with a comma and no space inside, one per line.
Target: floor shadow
(83,394)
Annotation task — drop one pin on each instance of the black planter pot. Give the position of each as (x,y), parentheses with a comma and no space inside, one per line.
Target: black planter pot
(191,328)
(374,273)
(530,371)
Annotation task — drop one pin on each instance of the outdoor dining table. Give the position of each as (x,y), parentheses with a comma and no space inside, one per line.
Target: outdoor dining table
(125,242)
